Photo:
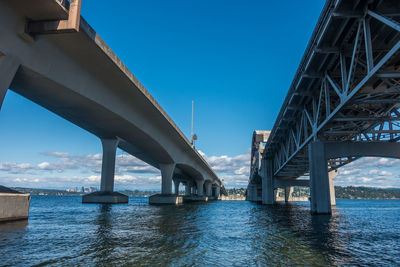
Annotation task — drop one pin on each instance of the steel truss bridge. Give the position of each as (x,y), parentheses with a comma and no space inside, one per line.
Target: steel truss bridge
(346,89)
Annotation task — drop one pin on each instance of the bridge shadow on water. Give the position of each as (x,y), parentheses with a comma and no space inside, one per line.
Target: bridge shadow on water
(145,234)
(203,234)
(290,231)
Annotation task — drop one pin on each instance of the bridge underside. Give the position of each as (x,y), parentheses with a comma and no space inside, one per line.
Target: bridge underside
(64,66)
(345,94)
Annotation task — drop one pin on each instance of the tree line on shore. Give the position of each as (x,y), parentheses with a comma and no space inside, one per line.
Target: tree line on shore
(348,192)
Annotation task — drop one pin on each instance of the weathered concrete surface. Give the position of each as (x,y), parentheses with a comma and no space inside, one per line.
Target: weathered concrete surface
(160,199)
(288,193)
(319,179)
(254,192)
(332,176)
(105,198)
(233,198)
(8,67)
(267,182)
(195,198)
(13,205)
(78,77)
(293,199)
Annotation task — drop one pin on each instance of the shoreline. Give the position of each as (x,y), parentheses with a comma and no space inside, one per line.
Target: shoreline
(222,199)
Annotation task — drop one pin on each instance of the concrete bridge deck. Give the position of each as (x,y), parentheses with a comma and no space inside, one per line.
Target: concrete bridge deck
(70,71)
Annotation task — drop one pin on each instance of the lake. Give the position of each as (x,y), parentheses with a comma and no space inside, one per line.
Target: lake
(63,231)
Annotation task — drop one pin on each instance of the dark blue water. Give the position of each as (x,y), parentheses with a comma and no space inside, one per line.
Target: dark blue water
(63,231)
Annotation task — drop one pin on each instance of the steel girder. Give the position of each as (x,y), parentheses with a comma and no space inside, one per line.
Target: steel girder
(347,87)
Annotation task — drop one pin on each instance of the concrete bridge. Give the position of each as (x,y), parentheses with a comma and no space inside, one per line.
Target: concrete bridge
(342,104)
(50,55)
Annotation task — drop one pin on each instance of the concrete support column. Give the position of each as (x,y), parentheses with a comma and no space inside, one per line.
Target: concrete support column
(106,193)
(254,189)
(209,189)
(217,191)
(8,68)
(267,174)
(254,192)
(288,193)
(319,180)
(332,176)
(276,193)
(188,189)
(199,187)
(249,193)
(193,189)
(167,171)
(166,197)
(108,164)
(176,184)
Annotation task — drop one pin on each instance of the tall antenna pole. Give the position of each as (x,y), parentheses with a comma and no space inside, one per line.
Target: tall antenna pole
(191,133)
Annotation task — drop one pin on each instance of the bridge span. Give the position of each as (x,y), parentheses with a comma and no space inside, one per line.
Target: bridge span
(343,104)
(50,55)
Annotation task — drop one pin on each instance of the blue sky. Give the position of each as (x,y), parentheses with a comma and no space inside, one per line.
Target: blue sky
(235,59)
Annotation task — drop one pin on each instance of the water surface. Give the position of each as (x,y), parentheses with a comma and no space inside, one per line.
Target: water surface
(63,231)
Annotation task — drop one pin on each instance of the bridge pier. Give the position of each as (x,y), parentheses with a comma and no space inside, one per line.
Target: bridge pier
(217,191)
(198,194)
(268,195)
(208,189)
(288,193)
(332,176)
(176,184)
(193,189)
(106,193)
(166,196)
(319,179)
(8,68)
(321,183)
(188,189)
(250,192)
(254,192)
(167,172)
(199,185)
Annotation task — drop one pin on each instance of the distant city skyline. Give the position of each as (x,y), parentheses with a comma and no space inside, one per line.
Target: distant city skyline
(235,59)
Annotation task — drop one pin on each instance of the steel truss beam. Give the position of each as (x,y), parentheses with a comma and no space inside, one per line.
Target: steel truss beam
(354,97)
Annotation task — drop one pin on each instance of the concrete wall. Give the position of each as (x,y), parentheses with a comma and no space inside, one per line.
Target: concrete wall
(14,206)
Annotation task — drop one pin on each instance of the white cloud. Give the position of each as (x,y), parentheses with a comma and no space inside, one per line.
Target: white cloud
(349,171)
(233,170)
(66,170)
(385,173)
(370,172)
(365,179)
(44,166)
(57,154)
(15,167)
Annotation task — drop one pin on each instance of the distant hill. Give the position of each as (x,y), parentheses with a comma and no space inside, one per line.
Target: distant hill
(366,192)
(54,192)
(348,192)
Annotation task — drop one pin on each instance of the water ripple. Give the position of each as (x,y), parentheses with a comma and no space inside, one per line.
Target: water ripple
(63,231)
